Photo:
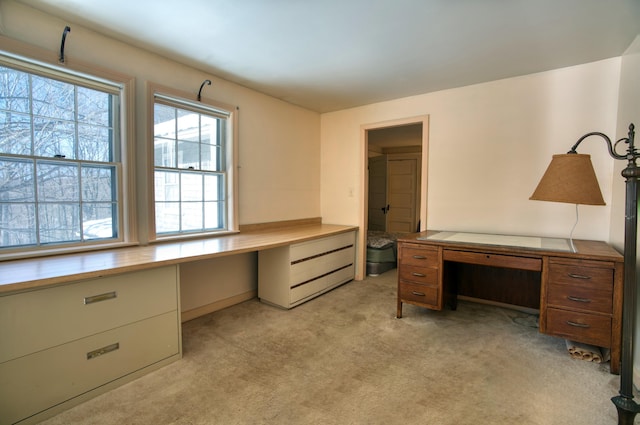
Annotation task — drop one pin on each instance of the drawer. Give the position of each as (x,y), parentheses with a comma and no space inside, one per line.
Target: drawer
(322,283)
(416,255)
(493,260)
(581,327)
(36,320)
(421,294)
(33,383)
(320,265)
(586,277)
(582,297)
(308,249)
(422,275)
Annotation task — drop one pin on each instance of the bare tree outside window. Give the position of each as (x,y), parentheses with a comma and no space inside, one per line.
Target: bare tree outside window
(58,161)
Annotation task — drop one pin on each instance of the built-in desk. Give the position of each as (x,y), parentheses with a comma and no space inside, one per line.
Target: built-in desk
(578,294)
(20,275)
(73,326)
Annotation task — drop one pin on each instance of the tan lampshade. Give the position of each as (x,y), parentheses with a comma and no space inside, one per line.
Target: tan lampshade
(569,178)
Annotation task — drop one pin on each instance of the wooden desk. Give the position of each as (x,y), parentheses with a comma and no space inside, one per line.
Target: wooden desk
(580,294)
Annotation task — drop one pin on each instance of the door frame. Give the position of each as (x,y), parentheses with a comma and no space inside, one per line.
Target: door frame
(364,183)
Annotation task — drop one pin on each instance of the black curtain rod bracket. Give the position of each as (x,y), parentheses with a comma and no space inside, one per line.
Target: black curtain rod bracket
(207,82)
(67,29)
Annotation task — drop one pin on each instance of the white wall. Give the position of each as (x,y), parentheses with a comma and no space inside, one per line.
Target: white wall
(489,144)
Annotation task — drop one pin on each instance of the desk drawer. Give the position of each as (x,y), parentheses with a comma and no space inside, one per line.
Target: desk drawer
(420,294)
(587,328)
(323,283)
(421,275)
(308,249)
(595,278)
(36,320)
(495,260)
(582,297)
(416,255)
(33,383)
(321,265)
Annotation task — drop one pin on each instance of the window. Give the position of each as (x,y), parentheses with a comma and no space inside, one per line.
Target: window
(60,158)
(193,167)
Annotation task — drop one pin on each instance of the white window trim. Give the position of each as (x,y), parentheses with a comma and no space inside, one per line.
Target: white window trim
(13,50)
(231,113)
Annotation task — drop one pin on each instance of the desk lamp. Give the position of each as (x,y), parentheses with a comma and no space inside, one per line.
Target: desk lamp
(570,178)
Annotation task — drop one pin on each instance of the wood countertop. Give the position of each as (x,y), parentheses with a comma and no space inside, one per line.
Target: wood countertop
(25,274)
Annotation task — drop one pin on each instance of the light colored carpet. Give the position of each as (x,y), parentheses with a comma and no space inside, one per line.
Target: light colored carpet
(344,358)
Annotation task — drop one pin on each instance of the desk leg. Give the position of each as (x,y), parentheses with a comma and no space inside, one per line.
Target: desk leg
(399,312)
(449,277)
(453,301)
(614,361)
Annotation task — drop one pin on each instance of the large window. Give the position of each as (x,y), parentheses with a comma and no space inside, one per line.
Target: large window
(60,158)
(193,162)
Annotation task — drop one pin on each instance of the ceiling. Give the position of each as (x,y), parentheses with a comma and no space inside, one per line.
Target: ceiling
(328,55)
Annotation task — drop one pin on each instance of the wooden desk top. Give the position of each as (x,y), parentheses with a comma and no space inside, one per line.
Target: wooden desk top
(19,275)
(586,250)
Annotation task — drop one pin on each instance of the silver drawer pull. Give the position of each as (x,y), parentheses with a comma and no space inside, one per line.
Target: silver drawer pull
(104,350)
(101,297)
(579,276)
(419,257)
(418,274)
(580,300)
(577,325)
(419,294)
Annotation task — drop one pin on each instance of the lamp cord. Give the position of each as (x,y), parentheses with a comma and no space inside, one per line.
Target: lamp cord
(573,247)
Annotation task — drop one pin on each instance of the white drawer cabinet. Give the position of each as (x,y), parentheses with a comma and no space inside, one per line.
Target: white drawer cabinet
(62,345)
(291,275)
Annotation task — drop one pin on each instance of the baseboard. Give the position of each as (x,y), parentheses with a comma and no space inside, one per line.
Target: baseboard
(218,305)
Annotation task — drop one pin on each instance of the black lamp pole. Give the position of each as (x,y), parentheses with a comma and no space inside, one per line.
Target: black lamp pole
(627,407)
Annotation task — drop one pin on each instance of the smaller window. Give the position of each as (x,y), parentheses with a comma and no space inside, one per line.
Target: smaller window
(193,167)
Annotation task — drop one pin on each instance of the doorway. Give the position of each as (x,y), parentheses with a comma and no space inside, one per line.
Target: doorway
(394,178)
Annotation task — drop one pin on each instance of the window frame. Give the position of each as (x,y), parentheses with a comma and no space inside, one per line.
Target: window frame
(33,60)
(180,99)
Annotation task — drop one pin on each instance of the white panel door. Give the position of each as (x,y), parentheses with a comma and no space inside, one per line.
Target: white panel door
(402,195)
(377,192)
